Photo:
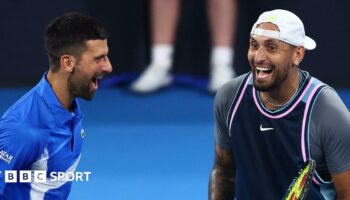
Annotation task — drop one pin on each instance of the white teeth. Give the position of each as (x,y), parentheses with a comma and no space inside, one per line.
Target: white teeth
(264,69)
(99,78)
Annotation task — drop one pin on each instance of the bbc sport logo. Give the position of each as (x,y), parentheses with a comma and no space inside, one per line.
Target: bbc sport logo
(40,176)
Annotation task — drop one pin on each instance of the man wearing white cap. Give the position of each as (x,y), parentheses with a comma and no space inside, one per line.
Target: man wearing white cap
(279,132)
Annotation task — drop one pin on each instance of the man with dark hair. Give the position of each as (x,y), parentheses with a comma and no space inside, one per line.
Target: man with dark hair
(43,129)
(273,124)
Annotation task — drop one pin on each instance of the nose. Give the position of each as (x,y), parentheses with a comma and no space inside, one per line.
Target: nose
(260,55)
(107,67)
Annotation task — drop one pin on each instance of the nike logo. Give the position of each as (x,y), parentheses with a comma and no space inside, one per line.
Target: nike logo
(265,129)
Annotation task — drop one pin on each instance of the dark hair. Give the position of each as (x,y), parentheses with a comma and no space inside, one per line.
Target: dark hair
(68,33)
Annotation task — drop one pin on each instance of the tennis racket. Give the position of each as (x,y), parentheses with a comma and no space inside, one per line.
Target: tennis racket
(301,183)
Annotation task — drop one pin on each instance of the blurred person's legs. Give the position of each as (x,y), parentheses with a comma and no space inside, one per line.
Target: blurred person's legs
(222,19)
(164,18)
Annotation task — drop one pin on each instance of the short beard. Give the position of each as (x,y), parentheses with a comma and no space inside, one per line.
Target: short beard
(76,86)
(274,85)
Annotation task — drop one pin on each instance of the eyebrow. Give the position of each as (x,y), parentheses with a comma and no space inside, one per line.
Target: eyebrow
(271,41)
(100,56)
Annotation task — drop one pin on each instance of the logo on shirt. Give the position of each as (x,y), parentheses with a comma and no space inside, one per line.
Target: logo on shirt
(262,129)
(82,134)
(5,156)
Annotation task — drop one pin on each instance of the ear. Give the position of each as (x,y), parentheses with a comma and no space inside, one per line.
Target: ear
(67,63)
(298,55)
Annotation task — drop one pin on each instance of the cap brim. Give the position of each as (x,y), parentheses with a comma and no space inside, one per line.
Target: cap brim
(309,44)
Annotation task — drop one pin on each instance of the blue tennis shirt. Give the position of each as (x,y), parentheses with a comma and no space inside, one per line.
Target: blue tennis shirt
(37,133)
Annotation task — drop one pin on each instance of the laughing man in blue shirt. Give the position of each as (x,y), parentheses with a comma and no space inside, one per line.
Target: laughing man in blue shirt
(43,129)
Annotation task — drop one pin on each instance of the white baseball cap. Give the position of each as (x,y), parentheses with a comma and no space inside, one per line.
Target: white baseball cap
(291,28)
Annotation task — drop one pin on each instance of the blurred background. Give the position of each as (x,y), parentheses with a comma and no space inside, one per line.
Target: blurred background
(157,146)
(23,23)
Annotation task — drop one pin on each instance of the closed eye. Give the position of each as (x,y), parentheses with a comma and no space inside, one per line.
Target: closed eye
(101,58)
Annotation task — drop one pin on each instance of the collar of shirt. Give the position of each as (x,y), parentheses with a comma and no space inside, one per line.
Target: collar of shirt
(62,116)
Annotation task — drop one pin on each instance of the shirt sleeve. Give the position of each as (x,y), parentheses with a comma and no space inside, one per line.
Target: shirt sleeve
(18,147)
(331,119)
(222,104)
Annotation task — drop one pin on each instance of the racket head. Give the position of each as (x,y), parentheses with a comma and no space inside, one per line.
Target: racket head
(301,183)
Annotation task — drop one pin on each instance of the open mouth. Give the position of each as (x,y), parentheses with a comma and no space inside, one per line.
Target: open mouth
(95,81)
(263,72)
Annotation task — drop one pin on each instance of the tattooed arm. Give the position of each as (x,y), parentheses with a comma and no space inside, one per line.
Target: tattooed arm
(222,176)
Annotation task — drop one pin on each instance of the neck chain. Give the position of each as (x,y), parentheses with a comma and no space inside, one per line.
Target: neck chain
(281,105)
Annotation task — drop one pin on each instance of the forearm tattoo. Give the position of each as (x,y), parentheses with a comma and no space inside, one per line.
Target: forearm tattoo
(222,178)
